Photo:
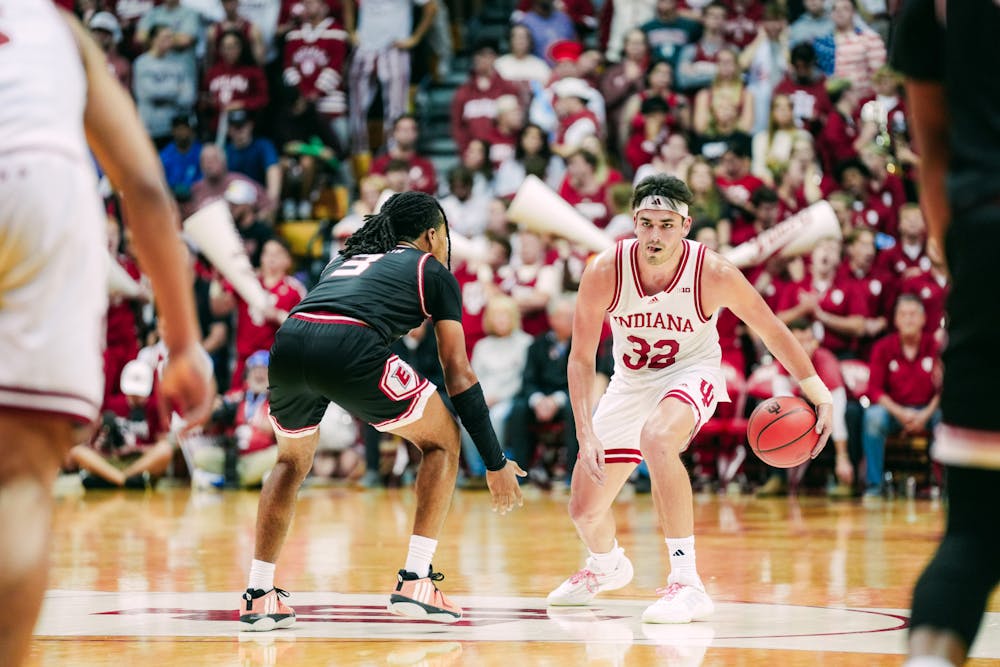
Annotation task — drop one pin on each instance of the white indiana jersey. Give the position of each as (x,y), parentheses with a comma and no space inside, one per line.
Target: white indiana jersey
(657,336)
(43,86)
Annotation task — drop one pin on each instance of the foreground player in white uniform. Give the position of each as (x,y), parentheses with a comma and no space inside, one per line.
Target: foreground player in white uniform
(56,95)
(663,294)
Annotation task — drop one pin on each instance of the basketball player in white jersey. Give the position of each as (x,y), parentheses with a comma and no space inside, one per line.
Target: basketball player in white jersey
(56,96)
(663,294)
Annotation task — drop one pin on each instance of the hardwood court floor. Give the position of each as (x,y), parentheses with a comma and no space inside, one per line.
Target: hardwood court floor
(155,577)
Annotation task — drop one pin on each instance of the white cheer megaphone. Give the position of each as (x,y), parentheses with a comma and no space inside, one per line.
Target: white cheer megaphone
(794,236)
(120,282)
(212,229)
(538,208)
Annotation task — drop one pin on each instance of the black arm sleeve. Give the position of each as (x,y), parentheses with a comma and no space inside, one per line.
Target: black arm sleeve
(471,408)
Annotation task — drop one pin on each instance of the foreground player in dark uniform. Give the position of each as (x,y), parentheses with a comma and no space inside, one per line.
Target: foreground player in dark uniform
(956,116)
(390,277)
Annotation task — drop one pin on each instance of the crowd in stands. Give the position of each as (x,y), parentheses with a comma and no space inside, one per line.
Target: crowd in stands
(763,108)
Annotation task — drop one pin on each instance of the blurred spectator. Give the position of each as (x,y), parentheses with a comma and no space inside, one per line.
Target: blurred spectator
(727,88)
(623,80)
(580,12)
(904,387)
(252,156)
(576,121)
(499,361)
(805,85)
(546,25)
(668,32)
(868,208)
(397,176)
(241,196)
(584,191)
(568,57)
(908,258)
(521,67)
(876,287)
(467,212)
(184,28)
(850,52)
(645,142)
(816,183)
(932,288)
(838,140)
(369,189)
(383,34)
(617,18)
(181,158)
(696,66)
(503,138)
(252,334)
(131,438)
(264,14)
(216,179)
(163,85)
(244,432)
(814,22)
(474,105)
(235,81)
(673,157)
(475,158)
(531,144)
(532,279)
(122,329)
(315,65)
(479,281)
(735,181)
(214,329)
(544,395)
(772,148)
(405,133)
(659,83)
(743,21)
(232,21)
(885,184)
(765,61)
(622,225)
(108,34)
(883,118)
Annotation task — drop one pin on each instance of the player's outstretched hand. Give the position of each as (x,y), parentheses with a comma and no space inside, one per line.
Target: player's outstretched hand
(592,458)
(824,426)
(187,384)
(505,492)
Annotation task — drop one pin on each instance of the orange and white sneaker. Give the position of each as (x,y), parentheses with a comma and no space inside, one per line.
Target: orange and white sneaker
(419,597)
(262,610)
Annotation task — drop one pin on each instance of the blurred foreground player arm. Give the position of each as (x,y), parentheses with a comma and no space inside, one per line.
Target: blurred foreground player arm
(123,149)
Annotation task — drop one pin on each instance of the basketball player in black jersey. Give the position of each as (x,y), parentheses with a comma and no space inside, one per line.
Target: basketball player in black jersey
(947,51)
(390,277)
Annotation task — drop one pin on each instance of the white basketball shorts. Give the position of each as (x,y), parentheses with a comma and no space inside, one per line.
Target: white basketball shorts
(624,408)
(53,285)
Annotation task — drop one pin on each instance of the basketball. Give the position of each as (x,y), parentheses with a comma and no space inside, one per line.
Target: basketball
(782,431)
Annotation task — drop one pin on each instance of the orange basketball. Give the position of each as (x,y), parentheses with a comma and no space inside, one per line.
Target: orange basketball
(782,431)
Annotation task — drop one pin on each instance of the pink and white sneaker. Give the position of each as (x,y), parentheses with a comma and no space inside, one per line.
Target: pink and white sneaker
(583,587)
(679,603)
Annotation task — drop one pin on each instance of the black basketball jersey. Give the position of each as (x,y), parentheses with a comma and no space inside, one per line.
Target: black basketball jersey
(393,292)
(965,58)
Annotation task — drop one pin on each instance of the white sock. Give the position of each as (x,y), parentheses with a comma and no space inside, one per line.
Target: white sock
(604,563)
(418,559)
(261,575)
(683,569)
(927,661)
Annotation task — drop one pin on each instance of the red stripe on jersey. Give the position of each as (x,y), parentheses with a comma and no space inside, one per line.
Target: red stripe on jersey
(618,276)
(680,266)
(635,270)
(329,318)
(420,283)
(697,285)
(683,396)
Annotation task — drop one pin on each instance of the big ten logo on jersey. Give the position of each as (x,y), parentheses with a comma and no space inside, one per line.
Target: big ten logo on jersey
(399,380)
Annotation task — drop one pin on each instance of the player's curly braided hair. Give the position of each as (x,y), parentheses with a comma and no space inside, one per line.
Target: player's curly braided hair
(403,217)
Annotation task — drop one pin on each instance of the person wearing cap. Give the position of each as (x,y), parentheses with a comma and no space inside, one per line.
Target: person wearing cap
(474,105)
(255,157)
(241,196)
(215,181)
(576,121)
(663,294)
(240,423)
(163,86)
(546,25)
(108,34)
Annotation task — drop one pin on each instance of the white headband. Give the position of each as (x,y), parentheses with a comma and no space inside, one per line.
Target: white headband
(658,203)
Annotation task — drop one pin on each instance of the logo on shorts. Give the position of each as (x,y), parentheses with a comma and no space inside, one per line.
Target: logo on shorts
(399,380)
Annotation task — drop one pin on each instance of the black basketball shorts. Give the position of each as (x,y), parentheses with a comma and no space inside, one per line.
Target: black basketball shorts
(318,358)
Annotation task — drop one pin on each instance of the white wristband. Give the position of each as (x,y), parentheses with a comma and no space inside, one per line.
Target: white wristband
(814,389)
